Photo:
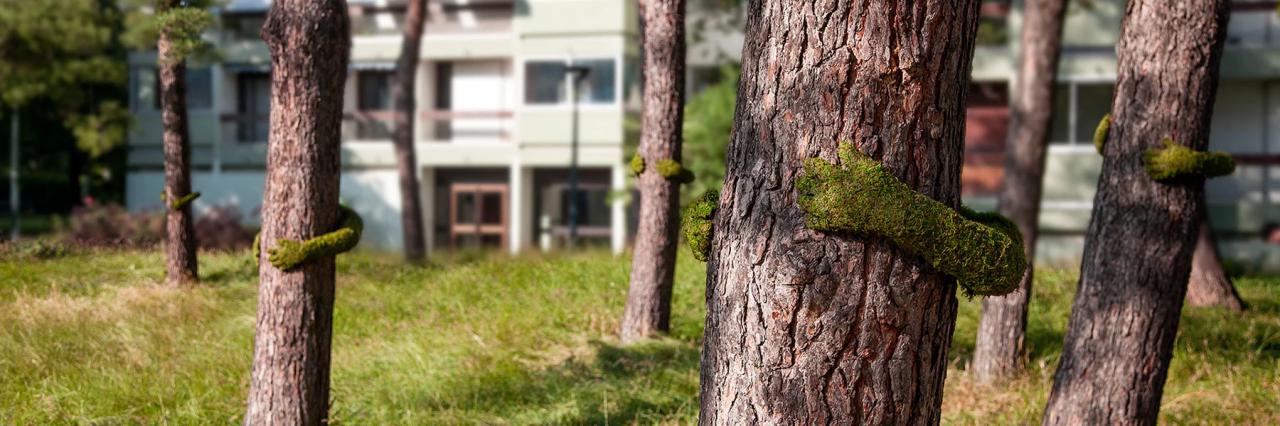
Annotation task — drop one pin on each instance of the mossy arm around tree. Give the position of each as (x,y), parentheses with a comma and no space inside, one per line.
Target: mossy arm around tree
(982,250)
(696,221)
(1174,162)
(637,165)
(1100,134)
(180,202)
(290,254)
(673,171)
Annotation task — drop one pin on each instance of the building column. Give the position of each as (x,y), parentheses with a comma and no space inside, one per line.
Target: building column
(618,218)
(519,207)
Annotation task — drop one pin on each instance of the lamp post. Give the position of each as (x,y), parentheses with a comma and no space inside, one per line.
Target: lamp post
(577,73)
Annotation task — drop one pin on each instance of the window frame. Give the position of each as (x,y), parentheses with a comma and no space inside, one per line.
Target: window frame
(567,102)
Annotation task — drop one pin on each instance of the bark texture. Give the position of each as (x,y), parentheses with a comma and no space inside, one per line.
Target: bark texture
(180,234)
(310,46)
(806,327)
(1209,285)
(1003,328)
(653,263)
(1137,254)
(402,96)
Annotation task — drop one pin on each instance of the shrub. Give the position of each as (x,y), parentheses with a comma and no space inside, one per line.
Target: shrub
(110,225)
(222,229)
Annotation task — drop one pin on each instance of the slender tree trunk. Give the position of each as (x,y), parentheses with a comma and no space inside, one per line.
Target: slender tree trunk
(309,41)
(180,244)
(654,263)
(1003,328)
(806,327)
(403,96)
(1137,255)
(1209,284)
(15,197)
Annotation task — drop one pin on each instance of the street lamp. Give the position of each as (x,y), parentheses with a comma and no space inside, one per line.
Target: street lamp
(577,73)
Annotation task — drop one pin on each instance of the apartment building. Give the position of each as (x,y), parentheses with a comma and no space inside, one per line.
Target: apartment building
(496,125)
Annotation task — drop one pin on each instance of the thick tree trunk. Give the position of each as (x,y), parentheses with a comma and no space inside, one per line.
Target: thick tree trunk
(310,45)
(1209,285)
(1137,256)
(180,244)
(1003,328)
(402,95)
(654,263)
(805,327)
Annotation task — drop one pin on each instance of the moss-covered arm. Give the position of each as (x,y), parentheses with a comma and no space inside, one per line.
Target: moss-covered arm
(1100,134)
(290,254)
(673,171)
(1175,162)
(181,201)
(696,221)
(982,250)
(637,165)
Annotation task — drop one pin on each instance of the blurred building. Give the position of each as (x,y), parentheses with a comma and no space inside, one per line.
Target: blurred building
(493,122)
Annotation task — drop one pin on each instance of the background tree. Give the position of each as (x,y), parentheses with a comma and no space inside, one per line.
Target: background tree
(707,125)
(809,327)
(1003,328)
(1209,285)
(174,29)
(1139,245)
(659,170)
(402,96)
(309,42)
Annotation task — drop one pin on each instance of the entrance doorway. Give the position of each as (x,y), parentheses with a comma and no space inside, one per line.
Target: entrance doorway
(478,215)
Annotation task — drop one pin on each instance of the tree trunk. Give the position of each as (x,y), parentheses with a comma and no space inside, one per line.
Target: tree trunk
(809,327)
(403,96)
(309,41)
(654,263)
(1137,255)
(1209,285)
(180,242)
(1003,328)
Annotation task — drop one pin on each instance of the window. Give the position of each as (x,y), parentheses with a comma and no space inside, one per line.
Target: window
(253,107)
(199,89)
(547,83)
(374,95)
(243,26)
(1077,108)
(145,84)
(592,203)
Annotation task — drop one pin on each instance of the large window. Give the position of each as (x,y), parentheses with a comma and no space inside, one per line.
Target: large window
(546,82)
(1077,109)
(253,106)
(374,89)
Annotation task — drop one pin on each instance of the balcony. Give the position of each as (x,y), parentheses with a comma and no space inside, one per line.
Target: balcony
(435,126)
(1253,25)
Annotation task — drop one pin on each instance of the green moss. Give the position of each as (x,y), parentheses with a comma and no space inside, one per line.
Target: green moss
(1100,134)
(181,201)
(982,250)
(1175,162)
(673,171)
(289,254)
(637,165)
(696,221)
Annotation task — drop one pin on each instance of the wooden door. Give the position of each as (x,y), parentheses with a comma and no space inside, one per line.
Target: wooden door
(478,215)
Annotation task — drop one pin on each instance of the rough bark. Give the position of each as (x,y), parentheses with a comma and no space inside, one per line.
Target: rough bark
(653,263)
(806,327)
(180,241)
(1003,328)
(1209,285)
(310,45)
(1138,249)
(405,103)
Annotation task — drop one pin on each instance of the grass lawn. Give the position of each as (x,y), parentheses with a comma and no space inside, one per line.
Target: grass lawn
(94,338)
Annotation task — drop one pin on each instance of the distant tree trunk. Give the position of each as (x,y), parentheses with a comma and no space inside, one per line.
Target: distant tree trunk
(806,327)
(403,96)
(1137,255)
(1003,328)
(309,41)
(654,263)
(1209,284)
(180,244)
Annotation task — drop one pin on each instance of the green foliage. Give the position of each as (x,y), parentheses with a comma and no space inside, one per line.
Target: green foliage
(696,223)
(708,122)
(50,48)
(637,165)
(1174,162)
(98,134)
(183,23)
(673,171)
(983,251)
(290,254)
(1100,134)
(181,202)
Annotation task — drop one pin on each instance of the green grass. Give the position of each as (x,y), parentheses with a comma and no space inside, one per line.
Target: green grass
(95,338)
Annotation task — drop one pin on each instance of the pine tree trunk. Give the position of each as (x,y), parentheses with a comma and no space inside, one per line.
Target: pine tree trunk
(403,97)
(805,327)
(1137,255)
(1002,331)
(180,241)
(309,43)
(1209,285)
(654,262)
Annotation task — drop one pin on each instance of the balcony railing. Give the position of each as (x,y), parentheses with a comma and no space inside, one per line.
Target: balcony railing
(245,128)
(437,125)
(1253,25)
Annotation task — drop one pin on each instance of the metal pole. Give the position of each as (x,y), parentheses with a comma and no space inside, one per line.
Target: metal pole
(577,73)
(14,199)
